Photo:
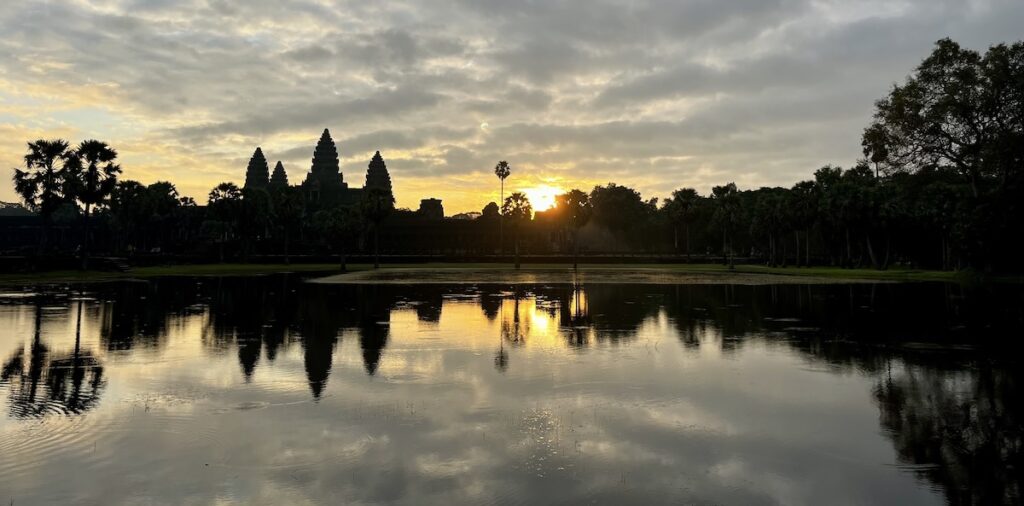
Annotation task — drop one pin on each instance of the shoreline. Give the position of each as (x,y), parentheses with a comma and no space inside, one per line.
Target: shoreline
(476,273)
(566,275)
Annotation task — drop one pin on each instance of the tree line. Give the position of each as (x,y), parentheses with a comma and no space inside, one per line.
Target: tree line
(939,187)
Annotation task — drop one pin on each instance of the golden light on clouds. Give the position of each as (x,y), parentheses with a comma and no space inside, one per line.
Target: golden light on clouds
(186,92)
(542,197)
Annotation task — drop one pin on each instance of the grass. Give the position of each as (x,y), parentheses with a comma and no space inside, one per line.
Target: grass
(170,270)
(262,269)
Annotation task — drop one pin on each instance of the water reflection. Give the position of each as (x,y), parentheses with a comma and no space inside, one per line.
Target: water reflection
(638,381)
(959,430)
(41,382)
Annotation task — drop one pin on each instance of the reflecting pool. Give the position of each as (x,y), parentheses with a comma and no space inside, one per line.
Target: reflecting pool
(271,390)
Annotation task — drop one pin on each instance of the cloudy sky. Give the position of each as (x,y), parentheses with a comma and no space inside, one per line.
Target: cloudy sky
(656,94)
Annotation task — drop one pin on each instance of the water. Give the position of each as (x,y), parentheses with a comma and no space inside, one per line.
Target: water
(273,391)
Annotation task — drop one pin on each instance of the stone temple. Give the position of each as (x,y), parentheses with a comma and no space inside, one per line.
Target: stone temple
(325,184)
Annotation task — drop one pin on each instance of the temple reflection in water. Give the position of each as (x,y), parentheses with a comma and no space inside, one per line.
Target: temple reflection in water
(948,409)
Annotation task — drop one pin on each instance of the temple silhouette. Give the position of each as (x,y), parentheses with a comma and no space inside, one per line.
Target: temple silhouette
(325,184)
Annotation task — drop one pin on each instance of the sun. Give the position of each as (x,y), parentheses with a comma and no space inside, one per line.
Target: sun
(542,197)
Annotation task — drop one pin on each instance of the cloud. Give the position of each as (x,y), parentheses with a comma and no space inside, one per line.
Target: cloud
(653,93)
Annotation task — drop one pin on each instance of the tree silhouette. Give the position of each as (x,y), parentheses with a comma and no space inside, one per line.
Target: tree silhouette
(576,209)
(681,208)
(804,212)
(256,216)
(958,109)
(490,211)
(375,206)
(43,185)
(518,210)
(288,209)
(340,226)
(63,376)
(502,170)
(726,216)
(224,205)
(94,178)
(621,210)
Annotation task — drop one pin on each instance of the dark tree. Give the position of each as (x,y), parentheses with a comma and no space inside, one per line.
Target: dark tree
(94,178)
(575,208)
(43,184)
(621,210)
(681,208)
(340,226)
(502,170)
(490,211)
(288,209)
(518,211)
(958,109)
(256,216)
(224,206)
(726,216)
(375,206)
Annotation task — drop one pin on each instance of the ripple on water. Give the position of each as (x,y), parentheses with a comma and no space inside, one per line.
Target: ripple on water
(28,445)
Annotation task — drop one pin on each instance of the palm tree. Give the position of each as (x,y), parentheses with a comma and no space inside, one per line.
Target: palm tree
(517,208)
(94,180)
(681,208)
(726,215)
(376,205)
(43,183)
(502,170)
(577,211)
(804,210)
(224,203)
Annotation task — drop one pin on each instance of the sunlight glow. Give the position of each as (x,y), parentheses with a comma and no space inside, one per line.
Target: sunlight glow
(542,197)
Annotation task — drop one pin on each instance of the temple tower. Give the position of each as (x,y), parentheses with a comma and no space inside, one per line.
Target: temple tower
(377,176)
(324,183)
(279,179)
(325,168)
(257,173)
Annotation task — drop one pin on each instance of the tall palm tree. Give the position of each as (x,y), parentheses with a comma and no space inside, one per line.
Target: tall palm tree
(43,183)
(502,170)
(726,200)
(517,207)
(681,208)
(94,179)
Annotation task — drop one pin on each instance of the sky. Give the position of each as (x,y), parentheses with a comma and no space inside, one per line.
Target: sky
(653,94)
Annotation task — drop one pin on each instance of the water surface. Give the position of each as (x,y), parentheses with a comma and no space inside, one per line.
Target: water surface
(269,390)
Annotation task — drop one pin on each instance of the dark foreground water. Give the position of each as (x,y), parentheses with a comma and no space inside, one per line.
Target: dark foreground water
(273,391)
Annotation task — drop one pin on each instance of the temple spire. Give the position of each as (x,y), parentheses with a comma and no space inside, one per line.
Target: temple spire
(279,179)
(257,173)
(325,166)
(377,176)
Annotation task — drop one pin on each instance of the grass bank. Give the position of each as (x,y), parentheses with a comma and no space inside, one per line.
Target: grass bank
(171,270)
(606,270)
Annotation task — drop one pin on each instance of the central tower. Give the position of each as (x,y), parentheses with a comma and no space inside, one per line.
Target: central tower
(324,183)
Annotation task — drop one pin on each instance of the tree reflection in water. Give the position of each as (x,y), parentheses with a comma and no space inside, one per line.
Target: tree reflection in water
(960,430)
(952,411)
(72,382)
